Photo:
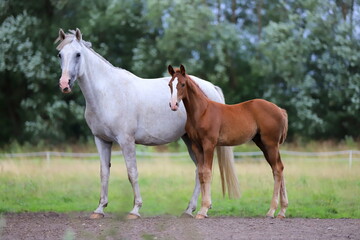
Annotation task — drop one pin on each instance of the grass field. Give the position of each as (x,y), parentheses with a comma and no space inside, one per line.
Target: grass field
(316,189)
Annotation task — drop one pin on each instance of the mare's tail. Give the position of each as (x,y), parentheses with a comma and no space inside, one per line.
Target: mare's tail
(226,164)
(227,171)
(285,130)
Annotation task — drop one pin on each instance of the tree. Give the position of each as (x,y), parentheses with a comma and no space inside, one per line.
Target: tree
(303,55)
(311,60)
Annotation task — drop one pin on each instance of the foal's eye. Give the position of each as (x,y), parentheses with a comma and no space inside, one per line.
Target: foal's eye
(183,85)
(78,55)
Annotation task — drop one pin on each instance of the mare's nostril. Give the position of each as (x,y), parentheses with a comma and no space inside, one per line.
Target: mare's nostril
(177,104)
(169,104)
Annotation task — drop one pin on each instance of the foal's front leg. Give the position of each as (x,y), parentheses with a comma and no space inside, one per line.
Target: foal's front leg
(104,149)
(205,174)
(129,152)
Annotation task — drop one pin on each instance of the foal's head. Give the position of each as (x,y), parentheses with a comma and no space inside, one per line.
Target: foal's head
(70,57)
(177,86)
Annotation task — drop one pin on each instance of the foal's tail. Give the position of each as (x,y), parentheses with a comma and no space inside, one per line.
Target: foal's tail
(285,130)
(227,171)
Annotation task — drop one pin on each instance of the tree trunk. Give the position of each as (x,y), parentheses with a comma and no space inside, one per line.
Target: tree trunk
(233,11)
(258,12)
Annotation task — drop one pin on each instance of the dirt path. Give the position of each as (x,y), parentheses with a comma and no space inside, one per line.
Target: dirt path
(78,226)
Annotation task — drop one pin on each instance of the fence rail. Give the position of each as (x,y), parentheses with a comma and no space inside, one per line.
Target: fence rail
(349,154)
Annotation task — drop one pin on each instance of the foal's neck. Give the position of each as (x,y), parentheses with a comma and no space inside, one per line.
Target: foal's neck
(195,102)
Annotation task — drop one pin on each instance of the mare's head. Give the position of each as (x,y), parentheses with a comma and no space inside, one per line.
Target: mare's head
(177,86)
(70,55)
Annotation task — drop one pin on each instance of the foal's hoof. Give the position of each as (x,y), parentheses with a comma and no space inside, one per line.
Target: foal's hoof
(186,215)
(280,217)
(97,216)
(132,216)
(200,216)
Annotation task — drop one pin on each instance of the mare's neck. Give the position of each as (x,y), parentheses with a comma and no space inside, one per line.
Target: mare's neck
(99,79)
(195,101)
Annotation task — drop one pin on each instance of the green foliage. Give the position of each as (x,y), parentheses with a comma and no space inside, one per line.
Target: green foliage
(302,55)
(310,63)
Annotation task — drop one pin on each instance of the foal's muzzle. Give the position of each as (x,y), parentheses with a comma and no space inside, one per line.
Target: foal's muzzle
(175,106)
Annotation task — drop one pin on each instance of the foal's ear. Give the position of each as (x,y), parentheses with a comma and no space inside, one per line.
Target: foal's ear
(78,34)
(61,35)
(182,70)
(171,70)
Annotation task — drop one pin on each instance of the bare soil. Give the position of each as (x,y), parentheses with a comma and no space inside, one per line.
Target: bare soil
(78,226)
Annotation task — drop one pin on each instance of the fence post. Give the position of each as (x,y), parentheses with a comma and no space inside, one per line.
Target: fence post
(350,158)
(48,157)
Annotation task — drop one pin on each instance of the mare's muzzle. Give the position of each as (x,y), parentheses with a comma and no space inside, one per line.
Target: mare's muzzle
(65,83)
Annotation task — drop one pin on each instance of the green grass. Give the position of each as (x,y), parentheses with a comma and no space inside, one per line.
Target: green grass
(316,189)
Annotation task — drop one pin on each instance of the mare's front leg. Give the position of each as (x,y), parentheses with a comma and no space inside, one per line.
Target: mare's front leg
(193,201)
(104,149)
(129,152)
(205,174)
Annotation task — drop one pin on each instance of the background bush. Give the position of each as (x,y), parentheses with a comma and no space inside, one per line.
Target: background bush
(302,55)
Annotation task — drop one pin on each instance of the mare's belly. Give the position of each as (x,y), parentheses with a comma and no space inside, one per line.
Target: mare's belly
(152,138)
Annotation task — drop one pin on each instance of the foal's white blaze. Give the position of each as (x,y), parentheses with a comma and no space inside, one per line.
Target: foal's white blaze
(174,101)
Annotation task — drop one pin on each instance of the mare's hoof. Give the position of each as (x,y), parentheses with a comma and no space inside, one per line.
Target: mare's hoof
(280,217)
(269,217)
(200,216)
(97,216)
(132,216)
(186,215)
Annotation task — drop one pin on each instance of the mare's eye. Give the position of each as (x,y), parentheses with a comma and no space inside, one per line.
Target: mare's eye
(59,55)
(78,55)
(183,85)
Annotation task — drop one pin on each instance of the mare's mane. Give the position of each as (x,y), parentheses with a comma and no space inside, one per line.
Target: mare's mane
(70,37)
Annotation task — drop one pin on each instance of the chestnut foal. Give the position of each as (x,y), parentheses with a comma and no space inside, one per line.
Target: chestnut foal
(210,124)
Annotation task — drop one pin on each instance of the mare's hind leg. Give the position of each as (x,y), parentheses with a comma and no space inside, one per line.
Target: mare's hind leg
(104,149)
(193,201)
(272,155)
(128,149)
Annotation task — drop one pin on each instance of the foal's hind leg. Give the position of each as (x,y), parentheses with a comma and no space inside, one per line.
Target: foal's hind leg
(277,169)
(283,199)
(272,155)
(193,201)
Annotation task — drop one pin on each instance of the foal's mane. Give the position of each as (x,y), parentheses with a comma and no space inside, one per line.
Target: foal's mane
(69,37)
(193,85)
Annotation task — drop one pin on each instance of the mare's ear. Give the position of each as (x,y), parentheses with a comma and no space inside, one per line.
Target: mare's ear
(182,70)
(61,35)
(78,34)
(171,70)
